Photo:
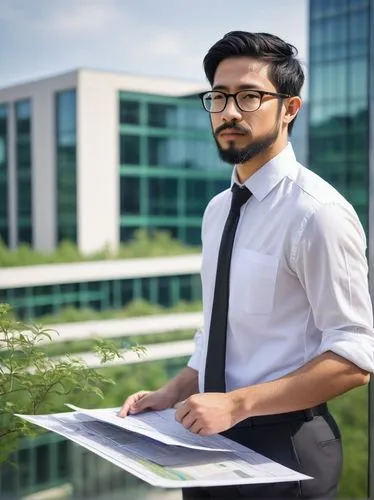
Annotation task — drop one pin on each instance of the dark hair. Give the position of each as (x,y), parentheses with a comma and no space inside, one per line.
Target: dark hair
(285,71)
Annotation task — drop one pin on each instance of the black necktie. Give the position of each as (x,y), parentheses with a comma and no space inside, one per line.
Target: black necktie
(216,354)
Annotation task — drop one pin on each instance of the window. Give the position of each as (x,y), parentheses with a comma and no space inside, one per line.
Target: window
(193,235)
(129,195)
(129,149)
(196,196)
(4,220)
(42,462)
(24,171)
(66,165)
(162,115)
(129,112)
(127,233)
(163,196)
(166,151)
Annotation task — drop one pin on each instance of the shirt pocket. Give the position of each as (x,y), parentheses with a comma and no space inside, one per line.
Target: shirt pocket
(252,282)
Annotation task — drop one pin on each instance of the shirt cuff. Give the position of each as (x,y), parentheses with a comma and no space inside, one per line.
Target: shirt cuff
(356,347)
(194,361)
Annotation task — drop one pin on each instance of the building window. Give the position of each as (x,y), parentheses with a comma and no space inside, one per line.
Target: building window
(196,196)
(129,149)
(162,115)
(166,151)
(129,195)
(163,196)
(129,112)
(4,219)
(24,171)
(127,233)
(66,168)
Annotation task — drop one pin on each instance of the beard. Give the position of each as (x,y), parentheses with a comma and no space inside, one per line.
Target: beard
(236,156)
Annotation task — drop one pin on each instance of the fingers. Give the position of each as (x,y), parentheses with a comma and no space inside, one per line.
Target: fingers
(196,427)
(189,421)
(182,409)
(131,405)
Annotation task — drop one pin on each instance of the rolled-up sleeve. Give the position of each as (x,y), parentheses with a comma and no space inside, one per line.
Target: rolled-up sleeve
(194,361)
(332,267)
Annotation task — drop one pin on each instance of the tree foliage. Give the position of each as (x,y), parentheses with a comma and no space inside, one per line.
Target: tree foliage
(31,382)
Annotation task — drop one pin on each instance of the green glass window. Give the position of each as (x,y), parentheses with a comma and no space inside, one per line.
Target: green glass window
(129,112)
(166,151)
(129,195)
(338,103)
(161,157)
(162,115)
(24,171)
(4,219)
(163,196)
(31,303)
(66,165)
(196,196)
(129,149)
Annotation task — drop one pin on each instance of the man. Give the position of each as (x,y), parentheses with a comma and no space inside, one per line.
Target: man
(299,321)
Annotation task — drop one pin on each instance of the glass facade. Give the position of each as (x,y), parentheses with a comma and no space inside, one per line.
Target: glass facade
(66,165)
(4,220)
(169,166)
(37,464)
(338,97)
(35,301)
(24,171)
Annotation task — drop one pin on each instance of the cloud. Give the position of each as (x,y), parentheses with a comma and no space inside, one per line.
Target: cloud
(168,37)
(64,18)
(165,44)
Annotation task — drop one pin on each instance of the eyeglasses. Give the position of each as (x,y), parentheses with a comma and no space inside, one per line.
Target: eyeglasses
(215,101)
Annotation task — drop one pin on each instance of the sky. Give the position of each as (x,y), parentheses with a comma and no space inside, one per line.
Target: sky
(169,38)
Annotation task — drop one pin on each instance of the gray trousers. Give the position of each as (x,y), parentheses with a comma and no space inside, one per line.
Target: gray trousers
(311,446)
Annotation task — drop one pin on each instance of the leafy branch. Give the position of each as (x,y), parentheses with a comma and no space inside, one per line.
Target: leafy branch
(32,382)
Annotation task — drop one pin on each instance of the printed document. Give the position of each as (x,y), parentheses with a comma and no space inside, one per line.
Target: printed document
(157,449)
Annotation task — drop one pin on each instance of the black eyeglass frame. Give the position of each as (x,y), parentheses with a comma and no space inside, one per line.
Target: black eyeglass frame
(235,96)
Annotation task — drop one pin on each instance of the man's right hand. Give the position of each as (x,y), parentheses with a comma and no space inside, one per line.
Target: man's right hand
(147,400)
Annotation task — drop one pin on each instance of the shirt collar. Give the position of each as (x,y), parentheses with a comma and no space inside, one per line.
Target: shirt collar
(270,174)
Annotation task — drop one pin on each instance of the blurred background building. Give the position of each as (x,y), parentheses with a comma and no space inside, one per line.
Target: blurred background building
(91,156)
(341,53)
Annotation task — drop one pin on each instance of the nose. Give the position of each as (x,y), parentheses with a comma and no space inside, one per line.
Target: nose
(231,111)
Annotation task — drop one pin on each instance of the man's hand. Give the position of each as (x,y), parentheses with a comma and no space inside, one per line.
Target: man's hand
(147,400)
(207,413)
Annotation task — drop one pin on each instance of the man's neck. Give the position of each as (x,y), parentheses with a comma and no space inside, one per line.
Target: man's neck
(245,170)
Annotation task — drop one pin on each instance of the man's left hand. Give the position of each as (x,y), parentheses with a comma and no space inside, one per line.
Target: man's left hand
(207,413)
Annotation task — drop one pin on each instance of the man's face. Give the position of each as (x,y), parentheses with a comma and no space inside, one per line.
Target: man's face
(242,135)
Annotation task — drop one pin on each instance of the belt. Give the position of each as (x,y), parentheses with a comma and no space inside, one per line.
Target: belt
(292,416)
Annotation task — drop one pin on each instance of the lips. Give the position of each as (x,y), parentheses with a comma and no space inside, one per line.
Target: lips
(231,132)
(231,135)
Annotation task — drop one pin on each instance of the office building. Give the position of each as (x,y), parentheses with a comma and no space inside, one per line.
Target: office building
(341,82)
(91,156)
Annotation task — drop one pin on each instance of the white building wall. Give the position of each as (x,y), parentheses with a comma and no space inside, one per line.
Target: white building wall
(98,165)
(42,96)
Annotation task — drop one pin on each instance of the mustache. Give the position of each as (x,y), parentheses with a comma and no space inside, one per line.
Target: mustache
(232,126)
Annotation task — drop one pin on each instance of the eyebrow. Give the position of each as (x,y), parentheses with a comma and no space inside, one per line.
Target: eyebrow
(246,86)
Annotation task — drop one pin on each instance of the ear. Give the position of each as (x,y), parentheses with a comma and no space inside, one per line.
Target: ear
(293,105)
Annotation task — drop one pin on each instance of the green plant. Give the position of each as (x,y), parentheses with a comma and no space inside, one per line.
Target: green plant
(142,245)
(31,382)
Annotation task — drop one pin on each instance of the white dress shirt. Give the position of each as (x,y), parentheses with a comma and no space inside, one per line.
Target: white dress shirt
(298,282)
